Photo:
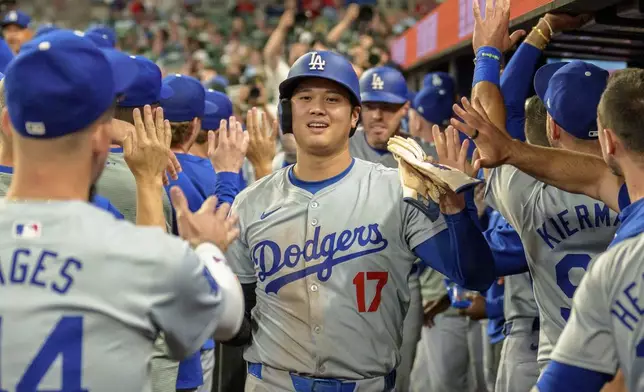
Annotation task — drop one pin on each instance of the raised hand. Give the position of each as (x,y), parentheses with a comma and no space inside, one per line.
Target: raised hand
(493,145)
(227,149)
(147,148)
(451,152)
(261,146)
(494,29)
(209,224)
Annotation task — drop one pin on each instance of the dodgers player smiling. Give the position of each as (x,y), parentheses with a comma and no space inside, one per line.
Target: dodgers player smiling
(327,245)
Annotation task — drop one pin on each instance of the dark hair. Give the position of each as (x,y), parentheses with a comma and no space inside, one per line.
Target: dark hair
(535,122)
(622,106)
(126,113)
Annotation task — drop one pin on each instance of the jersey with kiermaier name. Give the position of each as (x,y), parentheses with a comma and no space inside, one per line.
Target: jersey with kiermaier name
(606,330)
(118,185)
(561,233)
(83,297)
(331,270)
(360,148)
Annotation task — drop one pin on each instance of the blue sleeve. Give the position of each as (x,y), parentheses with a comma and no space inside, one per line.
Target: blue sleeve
(104,204)
(494,301)
(460,253)
(561,377)
(195,199)
(507,250)
(623,199)
(227,187)
(516,82)
(6,55)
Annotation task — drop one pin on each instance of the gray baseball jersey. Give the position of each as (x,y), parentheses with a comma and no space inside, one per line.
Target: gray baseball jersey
(605,330)
(519,298)
(561,232)
(331,270)
(118,185)
(359,148)
(80,286)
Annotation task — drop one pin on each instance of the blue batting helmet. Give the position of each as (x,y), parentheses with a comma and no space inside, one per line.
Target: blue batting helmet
(319,64)
(383,84)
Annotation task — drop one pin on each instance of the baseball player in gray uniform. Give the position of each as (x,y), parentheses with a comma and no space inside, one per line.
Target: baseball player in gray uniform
(561,232)
(327,247)
(383,92)
(93,291)
(604,332)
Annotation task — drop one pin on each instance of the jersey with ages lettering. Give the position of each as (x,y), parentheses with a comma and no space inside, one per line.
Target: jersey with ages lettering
(360,148)
(83,297)
(331,270)
(118,185)
(561,232)
(605,331)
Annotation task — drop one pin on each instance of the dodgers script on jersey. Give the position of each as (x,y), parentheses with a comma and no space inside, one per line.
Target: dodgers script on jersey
(83,296)
(359,148)
(331,270)
(605,330)
(561,233)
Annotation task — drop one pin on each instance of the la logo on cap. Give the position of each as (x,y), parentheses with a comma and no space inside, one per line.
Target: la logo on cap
(13,16)
(316,63)
(376,82)
(35,128)
(436,80)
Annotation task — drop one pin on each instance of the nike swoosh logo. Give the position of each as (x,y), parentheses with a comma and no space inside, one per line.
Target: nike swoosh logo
(534,347)
(269,213)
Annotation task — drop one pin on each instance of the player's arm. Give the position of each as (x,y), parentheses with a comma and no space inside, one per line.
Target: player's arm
(227,158)
(585,357)
(459,252)
(205,300)
(507,250)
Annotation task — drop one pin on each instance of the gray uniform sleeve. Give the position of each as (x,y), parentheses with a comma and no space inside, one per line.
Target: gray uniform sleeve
(189,310)
(587,340)
(238,253)
(508,191)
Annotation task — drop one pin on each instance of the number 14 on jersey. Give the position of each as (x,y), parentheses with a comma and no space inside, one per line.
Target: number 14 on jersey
(65,340)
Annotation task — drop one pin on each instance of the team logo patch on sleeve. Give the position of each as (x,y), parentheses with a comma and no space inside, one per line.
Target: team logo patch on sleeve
(27,229)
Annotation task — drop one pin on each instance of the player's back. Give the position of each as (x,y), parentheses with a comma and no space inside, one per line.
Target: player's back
(79,297)
(561,233)
(118,185)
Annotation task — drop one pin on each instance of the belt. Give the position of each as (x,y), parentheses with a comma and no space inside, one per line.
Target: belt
(312,384)
(507,328)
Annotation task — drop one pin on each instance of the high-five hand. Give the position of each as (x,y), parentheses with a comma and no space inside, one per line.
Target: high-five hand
(227,148)
(146,150)
(261,146)
(493,145)
(209,224)
(493,30)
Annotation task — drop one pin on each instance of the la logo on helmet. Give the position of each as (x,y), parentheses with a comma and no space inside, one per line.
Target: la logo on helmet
(376,82)
(316,62)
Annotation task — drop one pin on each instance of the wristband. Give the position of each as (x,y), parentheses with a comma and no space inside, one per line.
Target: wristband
(488,66)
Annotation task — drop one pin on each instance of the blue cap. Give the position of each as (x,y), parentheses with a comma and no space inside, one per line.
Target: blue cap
(221,108)
(17,18)
(434,104)
(61,83)
(411,95)
(147,88)
(45,28)
(383,84)
(441,80)
(103,36)
(571,94)
(187,100)
(322,64)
